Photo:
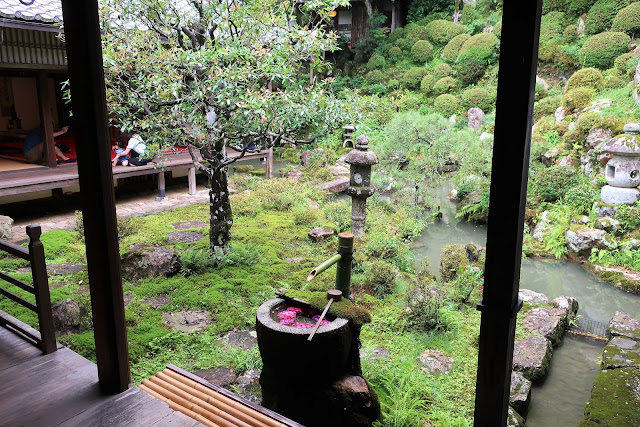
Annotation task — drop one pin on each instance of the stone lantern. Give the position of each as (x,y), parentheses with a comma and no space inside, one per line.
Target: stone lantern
(622,171)
(359,187)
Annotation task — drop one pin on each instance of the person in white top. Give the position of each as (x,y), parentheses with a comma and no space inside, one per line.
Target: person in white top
(135,150)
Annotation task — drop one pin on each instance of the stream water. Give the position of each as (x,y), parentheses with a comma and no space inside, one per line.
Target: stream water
(560,399)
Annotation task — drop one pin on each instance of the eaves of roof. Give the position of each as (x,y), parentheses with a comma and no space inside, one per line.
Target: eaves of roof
(25,12)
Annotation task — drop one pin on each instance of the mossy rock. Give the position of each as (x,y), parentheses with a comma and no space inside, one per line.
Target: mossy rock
(343,308)
(243,168)
(615,399)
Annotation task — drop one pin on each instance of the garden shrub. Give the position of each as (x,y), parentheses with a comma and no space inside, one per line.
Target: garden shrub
(551,27)
(614,79)
(426,85)
(459,290)
(421,51)
(125,226)
(424,302)
(629,216)
(393,84)
(468,14)
(570,33)
(580,198)
(417,33)
(628,20)
(411,101)
(497,29)
(567,57)
(376,62)
(627,63)
(440,32)
(442,70)
(373,77)
(577,99)
(554,6)
(600,50)
(444,85)
(601,14)
(550,184)
(377,89)
(578,7)
(541,92)
(453,260)
(548,52)
(452,49)
(477,97)
(380,278)
(404,44)
(339,214)
(396,34)
(475,55)
(395,53)
(586,78)
(196,261)
(412,78)
(447,105)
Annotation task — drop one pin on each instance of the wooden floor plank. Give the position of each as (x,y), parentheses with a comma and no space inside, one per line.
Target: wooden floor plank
(177,419)
(15,350)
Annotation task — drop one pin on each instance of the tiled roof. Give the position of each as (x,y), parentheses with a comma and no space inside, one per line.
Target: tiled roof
(41,11)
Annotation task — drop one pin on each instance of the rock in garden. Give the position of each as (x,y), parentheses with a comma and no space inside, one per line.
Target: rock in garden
(607,224)
(569,305)
(146,260)
(597,136)
(354,402)
(597,106)
(377,353)
(61,269)
(623,325)
(581,22)
(248,386)
(588,164)
(549,157)
(485,135)
(71,316)
(6,227)
(542,82)
(548,322)
(621,353)
(321,233)
(295,175)
(542,226)
(527,295)
(222,376)
(532,356)
(603,209)
(184,236)
(514,419)
(474,118)
(339,170)
(580,240)
(306,155)
(244,340)
(559,114)
(520,393)
(188,224)
(435,362)
(615,399)
(294,260)
(187,321)
(158,301)
(338,185)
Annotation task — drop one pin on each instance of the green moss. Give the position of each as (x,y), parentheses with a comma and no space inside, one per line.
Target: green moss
(614,400)
(343,308)
(577,99)
(243,168)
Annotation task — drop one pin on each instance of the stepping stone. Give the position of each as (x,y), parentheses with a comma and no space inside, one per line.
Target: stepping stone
(532,357)
(296,260)
(158,301)
(321,233)
(624,325)
(187,321)
(222,376)
(435,362)
(621,352)
(532,297)
(520,393)
(548,322)
(61,269)
(248,386)
(184,236)
(244,340)
(188,224)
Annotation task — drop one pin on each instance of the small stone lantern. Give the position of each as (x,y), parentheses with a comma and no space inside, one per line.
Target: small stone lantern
(622,171)
(359,187)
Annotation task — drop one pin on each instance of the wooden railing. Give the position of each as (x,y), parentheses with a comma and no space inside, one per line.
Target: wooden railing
(45,339)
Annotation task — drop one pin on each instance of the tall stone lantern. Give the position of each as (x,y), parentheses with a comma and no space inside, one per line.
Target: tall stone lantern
(361,160)
(622,171)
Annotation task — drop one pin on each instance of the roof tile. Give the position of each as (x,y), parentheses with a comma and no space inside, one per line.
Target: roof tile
(44,11)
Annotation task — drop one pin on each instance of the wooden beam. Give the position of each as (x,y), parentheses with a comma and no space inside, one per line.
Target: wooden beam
(46,120)
(192,181)
(509,174)
(84,55)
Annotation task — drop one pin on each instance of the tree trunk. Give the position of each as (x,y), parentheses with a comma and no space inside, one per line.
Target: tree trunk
(221,218)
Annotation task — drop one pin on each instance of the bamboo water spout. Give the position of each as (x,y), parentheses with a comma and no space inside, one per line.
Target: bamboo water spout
(344,261)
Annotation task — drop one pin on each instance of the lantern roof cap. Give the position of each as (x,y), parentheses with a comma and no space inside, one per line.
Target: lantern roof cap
(627,143)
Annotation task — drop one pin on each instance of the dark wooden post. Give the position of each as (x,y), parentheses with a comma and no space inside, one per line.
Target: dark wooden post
(162,192)
(46,120)
(41,290)
(509,173)
(84,55)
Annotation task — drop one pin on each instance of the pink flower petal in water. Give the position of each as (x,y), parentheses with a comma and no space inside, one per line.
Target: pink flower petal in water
(288,322)
(303,325)
(287,314)
(297,310)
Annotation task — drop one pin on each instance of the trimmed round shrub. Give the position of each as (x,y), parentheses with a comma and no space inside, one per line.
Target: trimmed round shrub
(374,77)
(396,34)
(578,7)
(452,49)
(551,183)
(475,55)
(546,106)
(497,29)
(453,260)
(586,77)
(570,33)
(477,97)
(628,20)
(393,84)
(567,58)
(377,89)
(447,105)
(626,62)
(554,5)
(422,51)
(468,14)
(376,62)
(442,70)
(395,53)
(551,26)
(601,14)
(380,278)
(600,50)
(440,32)
(418,33)
(577,99)
(426,85)
(412,78)
(444,85)
(404,44)
(548,52)
(614,79)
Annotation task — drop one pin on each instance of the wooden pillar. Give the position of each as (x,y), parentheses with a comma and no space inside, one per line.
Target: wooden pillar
(269,167)
(161,186)
(41,290)
(84,55)
(192,181)
(46,120)
(509,174)
(394,16)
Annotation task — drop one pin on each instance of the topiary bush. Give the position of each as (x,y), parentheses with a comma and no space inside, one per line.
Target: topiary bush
(578,7)
(440,32)
(396,34)
(476,54)
(376,62)
(422,51)
(453,260)
(570,33)
(447,105)
(395,54)
(416,33)
(601,14)
(404,44)
(452,49)
(426,85)
(546,106)
(477,97)
(442,70)
(374,77)
(497,29)
(614,79)
(567,57)
(600,50)
(550,184)
(587,77)
(468,14)
(551,27)
(444,85)
(628,20)
(577,99)
(554,6)
(380,278)
(412,78)
(627,63)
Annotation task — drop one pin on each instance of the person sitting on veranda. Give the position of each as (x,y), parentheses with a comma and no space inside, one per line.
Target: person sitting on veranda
(34,146)
(135,150)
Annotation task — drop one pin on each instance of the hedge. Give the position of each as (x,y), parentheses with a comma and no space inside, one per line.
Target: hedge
(601,14)
(444,85)
(442,70)
(412,77)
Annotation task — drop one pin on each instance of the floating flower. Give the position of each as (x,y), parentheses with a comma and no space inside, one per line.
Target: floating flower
(324,321)
(287,322)
(287,315)
(296,310)
(303,325)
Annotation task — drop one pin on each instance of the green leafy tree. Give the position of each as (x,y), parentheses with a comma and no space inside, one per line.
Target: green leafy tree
(208,74)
